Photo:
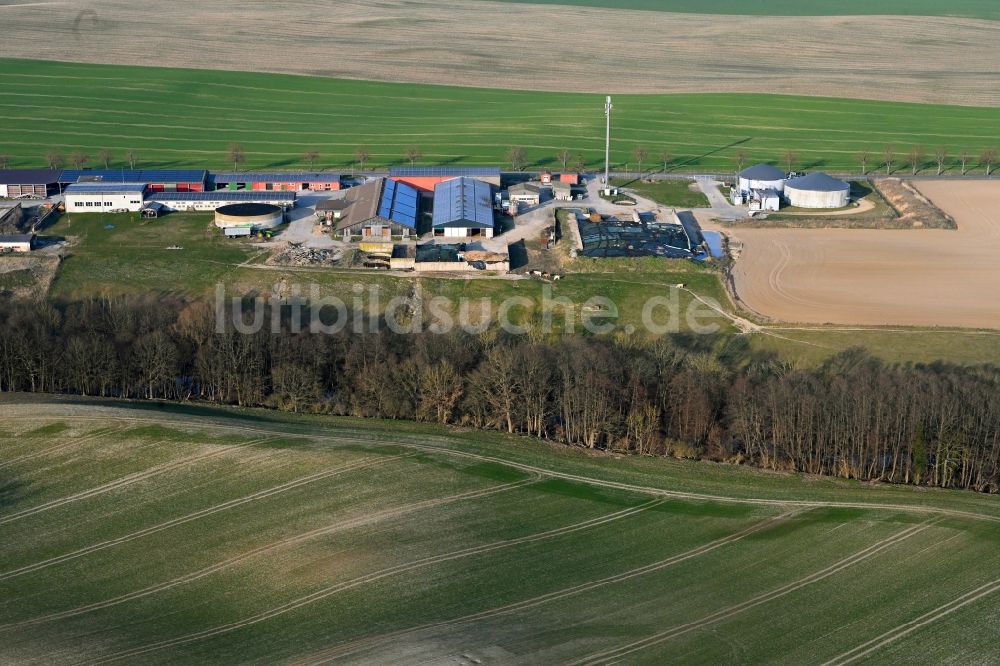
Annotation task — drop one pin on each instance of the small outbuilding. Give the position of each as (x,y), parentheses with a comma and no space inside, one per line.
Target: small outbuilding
(17,243)
(817,190)
(528,194)
(562,191)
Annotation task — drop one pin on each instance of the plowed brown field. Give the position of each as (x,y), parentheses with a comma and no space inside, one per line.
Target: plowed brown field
(922,277)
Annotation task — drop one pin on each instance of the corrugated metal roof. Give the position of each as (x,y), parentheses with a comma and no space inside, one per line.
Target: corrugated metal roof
(276,177)
(133,176)
(105,188)
(28,176)
(464,203)
(818,182)
(762,172)
(239,195)
(439,171)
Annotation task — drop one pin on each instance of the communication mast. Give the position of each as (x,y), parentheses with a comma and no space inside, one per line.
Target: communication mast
(607,140)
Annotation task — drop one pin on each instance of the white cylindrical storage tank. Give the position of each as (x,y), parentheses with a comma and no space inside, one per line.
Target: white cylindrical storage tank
(817,190)
(255,215)
(762,177)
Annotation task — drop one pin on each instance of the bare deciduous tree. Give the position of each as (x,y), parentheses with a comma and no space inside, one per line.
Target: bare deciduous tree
(413,154)
(941,157)
(54,159)
(988,159)
(863,157)
(516,158)
(740,158)
(665,157)
(131,157)
(791,157)
(79,159)
(4,160)
(361,156)
(312,156)
(963,157)
(888,157)
(915,158)
(105,156)
(563,157)
(640,153)
(237,155)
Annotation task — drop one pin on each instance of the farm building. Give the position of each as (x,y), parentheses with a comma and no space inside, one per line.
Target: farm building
(562,191)
(157,180)
(763,200)
(426,178)
(817,190)
(17,243)
(104,197)
(210,201)
(28,183)
(525,193)
(463,208)
(249,216)
(379,210)
(761,177)
(571,178)
(281,182)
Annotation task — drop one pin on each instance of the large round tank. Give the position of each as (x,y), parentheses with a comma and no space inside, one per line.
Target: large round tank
(762,177)
(256,215)
(817,190)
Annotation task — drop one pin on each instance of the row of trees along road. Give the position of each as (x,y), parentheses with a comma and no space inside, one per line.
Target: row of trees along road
(854,416)
(916,159)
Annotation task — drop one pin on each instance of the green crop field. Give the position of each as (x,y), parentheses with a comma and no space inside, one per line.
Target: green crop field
(981,9)
(176,118)
(131,534)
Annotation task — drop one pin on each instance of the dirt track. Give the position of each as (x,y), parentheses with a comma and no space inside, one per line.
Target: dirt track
(924,277)
(524,46)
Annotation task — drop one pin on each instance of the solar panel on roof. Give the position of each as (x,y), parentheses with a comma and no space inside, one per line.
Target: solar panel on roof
(133,176)
(277,177)
(396,172)
(223,196)
(104,188)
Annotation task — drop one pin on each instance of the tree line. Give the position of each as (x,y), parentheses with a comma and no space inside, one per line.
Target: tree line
(916,158)
(854,416)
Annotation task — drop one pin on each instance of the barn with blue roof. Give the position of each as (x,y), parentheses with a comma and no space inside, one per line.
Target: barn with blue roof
(156,180)
(463,209)
(380,210)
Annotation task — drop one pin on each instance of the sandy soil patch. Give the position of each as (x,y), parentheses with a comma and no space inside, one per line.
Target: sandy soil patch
(924,277)
(943,60)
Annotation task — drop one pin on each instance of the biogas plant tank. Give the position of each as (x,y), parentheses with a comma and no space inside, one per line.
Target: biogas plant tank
(256,215)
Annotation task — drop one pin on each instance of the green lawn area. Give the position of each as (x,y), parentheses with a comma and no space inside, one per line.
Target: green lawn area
(187,118)
(675,193)
(132,256)
(984,9)
(194,535)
